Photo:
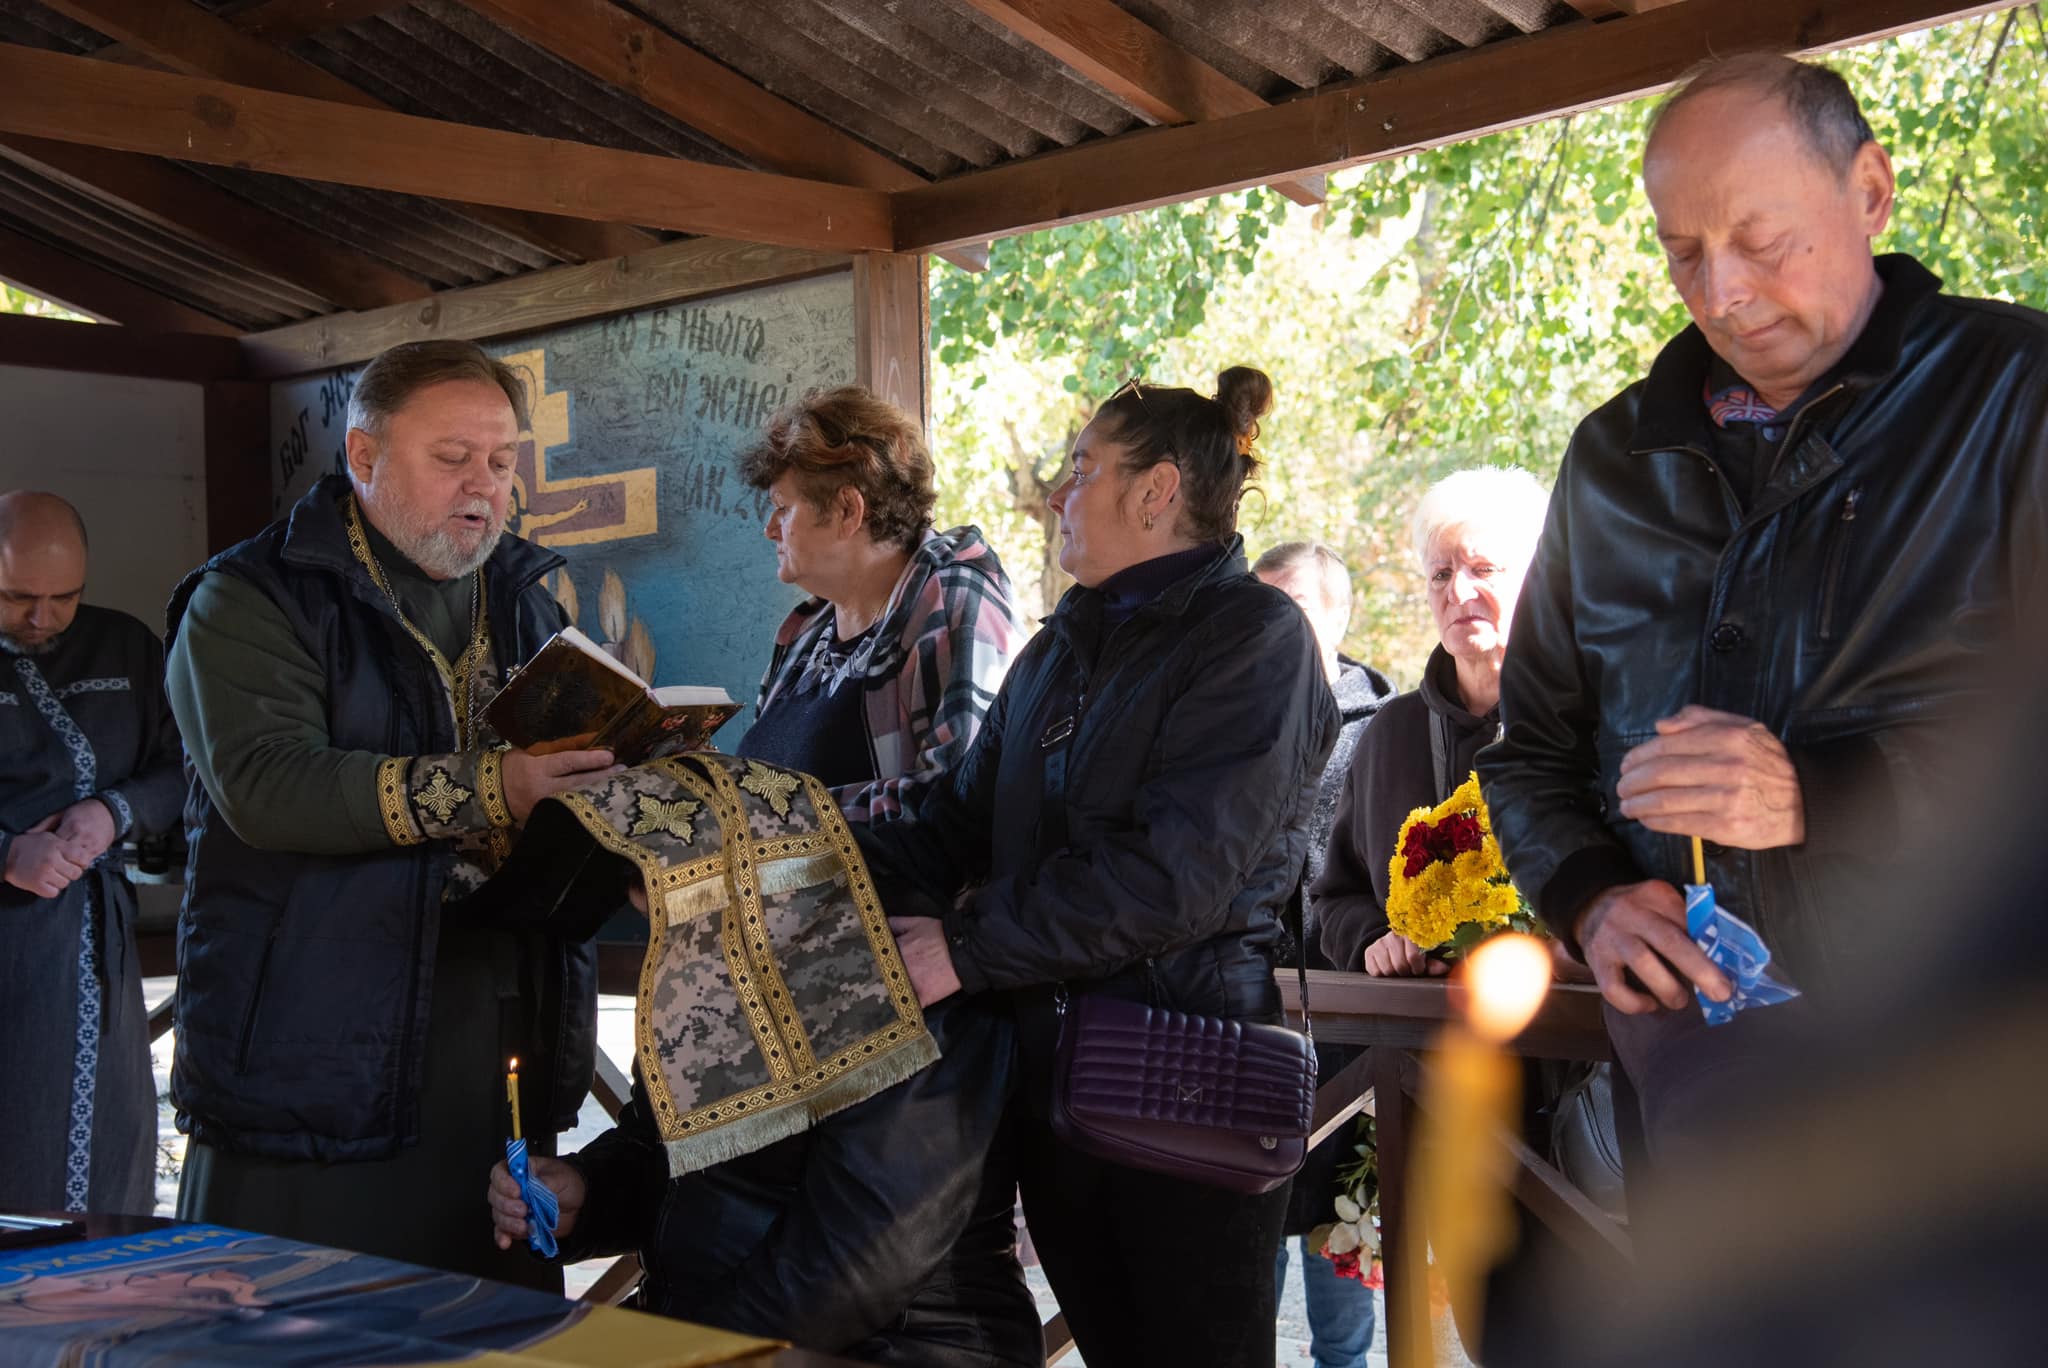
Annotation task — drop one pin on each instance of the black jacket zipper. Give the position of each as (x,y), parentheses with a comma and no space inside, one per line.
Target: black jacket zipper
(1837,557)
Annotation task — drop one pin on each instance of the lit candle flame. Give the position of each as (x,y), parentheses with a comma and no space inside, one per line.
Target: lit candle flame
(512,1094)
(1507,977)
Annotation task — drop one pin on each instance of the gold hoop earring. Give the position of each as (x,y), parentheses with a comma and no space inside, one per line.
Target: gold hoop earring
(1148,522)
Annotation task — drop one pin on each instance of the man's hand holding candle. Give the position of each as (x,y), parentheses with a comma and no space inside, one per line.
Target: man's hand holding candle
(1640,927)
(1706,774)
(508,1206)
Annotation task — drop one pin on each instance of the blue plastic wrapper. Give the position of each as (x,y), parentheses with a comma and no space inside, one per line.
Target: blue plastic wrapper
(1737,951)
(542,1210)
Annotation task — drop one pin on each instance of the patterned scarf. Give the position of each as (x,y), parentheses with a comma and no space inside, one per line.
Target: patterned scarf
(1736,403)
(771,994)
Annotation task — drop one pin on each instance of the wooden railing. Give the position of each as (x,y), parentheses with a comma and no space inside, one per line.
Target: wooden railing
(1399,1019)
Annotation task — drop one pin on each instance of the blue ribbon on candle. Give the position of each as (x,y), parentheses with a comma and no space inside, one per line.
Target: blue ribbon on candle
(542,1210)
(1737,951)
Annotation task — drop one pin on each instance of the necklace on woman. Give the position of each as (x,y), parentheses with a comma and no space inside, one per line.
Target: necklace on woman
(456,677)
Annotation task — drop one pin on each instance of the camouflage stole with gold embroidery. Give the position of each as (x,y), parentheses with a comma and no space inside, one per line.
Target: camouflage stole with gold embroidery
(771,994)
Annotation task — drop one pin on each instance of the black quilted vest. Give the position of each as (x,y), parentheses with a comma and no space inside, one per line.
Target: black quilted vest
(305,981)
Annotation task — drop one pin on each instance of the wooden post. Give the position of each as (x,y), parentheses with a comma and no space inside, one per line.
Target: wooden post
(892,325)
(237,461)
(1404,1249)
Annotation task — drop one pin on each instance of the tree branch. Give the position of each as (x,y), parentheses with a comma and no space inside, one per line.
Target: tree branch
(1955,182)
(1521,203)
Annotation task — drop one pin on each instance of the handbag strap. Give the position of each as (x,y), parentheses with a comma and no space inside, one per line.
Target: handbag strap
(1298,904)
(1440,755)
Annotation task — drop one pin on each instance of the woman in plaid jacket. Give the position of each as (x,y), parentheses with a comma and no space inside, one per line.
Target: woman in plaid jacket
(884,1233)
(880,679)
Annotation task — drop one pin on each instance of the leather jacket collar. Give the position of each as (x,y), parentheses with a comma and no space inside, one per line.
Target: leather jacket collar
(1672,417)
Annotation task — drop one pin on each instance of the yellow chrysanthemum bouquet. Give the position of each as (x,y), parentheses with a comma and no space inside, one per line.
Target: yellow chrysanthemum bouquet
(1447,886)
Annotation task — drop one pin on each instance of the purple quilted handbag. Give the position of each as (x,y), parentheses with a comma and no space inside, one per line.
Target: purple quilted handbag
(1215,1101)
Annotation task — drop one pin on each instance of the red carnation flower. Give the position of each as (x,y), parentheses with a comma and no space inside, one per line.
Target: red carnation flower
(1463,832)
(1416,851)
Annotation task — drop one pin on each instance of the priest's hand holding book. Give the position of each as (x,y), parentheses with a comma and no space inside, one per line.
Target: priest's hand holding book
(533,775)
(575,715)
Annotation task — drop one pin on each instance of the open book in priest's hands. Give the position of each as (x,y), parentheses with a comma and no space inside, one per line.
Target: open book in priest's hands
(572,695)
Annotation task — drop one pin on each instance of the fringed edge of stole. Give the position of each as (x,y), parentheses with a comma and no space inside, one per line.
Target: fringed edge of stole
(731,1139)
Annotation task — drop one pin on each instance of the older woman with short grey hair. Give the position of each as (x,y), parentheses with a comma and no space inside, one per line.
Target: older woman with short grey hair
(1474,534)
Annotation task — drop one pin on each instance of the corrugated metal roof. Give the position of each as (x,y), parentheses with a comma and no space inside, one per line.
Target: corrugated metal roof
(423,238)
(22,21)
(440,60)
(935,84)
(117,241)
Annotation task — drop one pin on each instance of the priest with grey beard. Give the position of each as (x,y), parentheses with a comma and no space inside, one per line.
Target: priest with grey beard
(343,1025)
(88,758)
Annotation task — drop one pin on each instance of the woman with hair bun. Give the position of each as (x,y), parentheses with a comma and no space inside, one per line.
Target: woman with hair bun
(1131,821)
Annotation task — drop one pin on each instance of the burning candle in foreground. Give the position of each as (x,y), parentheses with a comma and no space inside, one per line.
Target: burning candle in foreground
(512,1094)
(1507,979)
(1473,1092)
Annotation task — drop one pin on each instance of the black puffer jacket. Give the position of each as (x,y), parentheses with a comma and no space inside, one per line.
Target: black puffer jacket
(1132,818)
(1360,691)
(1860,607)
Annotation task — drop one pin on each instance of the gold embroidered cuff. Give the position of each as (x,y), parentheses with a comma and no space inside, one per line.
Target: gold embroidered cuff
(490,788)
(442,794)
(391,802)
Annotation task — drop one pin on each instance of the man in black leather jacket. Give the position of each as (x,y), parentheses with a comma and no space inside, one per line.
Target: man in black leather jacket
(1773,579)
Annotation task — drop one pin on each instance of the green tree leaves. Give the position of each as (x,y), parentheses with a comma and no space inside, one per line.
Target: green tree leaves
(1459,306)
(15,301)
(1101,297)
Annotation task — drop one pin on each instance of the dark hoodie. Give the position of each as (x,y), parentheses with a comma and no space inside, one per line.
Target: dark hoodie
(1418,748)
(1361,691)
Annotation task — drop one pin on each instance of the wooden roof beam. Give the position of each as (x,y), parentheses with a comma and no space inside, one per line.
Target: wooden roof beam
(624,50)
(76,99)
(174,199)
(185,38)
(1137,64)
(668,274)
(82,287)
(1616,9)
(1502,85)
(95,349)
